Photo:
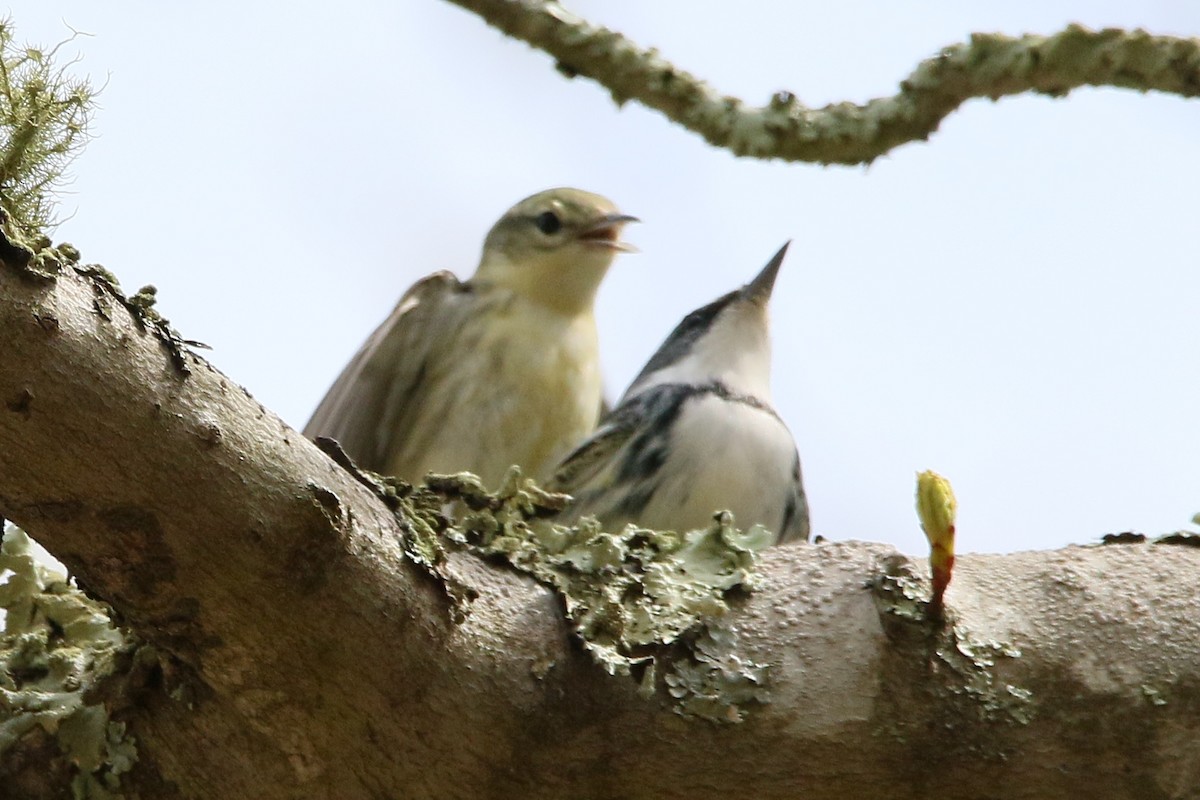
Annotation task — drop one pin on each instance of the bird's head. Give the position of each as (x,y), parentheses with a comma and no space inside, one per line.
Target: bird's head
(726,341)
(555,247)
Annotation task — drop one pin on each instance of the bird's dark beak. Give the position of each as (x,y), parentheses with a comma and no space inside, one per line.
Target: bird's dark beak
(606,232)
(759,289)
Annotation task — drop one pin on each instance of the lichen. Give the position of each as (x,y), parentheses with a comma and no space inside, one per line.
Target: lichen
(44,118)
(35,256)
(642,603)
(1154,696)
(715,682)
(37,259)
(141,307)
(901,598)
(57,646)
(419,514)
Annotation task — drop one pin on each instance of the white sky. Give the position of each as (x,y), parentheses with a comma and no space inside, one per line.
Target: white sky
(1013,304)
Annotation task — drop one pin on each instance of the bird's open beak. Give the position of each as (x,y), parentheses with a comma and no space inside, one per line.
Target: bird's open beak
(606,232)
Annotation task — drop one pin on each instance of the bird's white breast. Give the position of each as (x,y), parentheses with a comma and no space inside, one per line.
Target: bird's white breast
(723,455)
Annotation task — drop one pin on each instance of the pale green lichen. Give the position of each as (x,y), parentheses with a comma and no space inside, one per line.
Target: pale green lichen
(642,602)
(902,600)
(419,514)
(715,682)
(56,646)
(1153,695)
(36,257)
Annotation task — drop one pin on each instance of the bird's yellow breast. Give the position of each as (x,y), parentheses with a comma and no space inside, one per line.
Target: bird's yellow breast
(522,387)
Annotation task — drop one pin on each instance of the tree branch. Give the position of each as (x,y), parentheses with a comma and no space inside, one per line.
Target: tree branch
(990,65)
(305,655)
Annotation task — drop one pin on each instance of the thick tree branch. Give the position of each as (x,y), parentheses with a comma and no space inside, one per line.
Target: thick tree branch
(306,656)
(990,65)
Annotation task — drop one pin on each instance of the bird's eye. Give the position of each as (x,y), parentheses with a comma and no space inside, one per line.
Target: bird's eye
(547,222)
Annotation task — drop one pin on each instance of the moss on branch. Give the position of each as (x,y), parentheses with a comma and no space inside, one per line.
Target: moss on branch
(44,117)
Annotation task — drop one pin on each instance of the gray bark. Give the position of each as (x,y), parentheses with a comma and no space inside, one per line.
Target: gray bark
(314,660)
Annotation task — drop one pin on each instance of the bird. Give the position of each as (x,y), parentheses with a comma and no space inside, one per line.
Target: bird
(696,433)
(498,370)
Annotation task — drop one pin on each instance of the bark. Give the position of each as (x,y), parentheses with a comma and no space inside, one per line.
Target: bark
(302,654)
(988,66)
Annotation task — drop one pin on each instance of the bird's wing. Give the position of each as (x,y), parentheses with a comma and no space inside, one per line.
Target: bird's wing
(366,407)
(587,464)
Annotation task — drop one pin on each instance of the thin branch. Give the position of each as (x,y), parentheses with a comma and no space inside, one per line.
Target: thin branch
(990,65)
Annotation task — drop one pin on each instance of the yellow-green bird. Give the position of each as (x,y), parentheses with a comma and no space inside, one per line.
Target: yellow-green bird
(497,370)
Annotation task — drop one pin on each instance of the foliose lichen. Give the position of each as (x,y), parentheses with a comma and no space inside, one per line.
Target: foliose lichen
(419,514)
(56,647)
(902,599)
(642,603)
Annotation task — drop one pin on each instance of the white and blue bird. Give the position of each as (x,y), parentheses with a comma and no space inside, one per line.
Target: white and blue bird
(696,433)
